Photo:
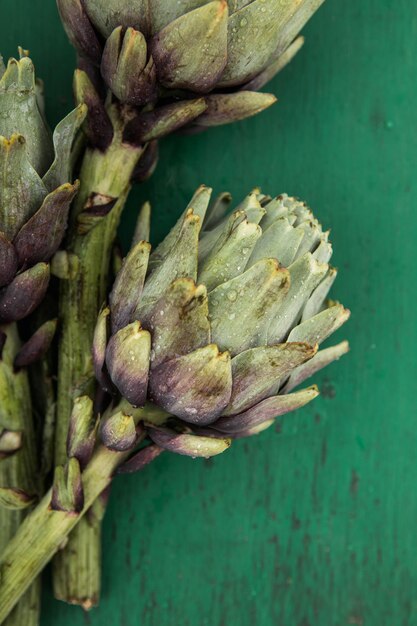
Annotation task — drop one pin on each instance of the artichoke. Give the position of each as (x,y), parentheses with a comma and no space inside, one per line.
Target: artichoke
(170,50)
(35,194)
(216,326)
(145,70)
(204,339)
(34,202)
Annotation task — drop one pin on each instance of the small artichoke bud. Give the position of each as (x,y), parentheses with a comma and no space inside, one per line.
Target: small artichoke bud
(188,444)
(118,432)
(15,499)
(82,430)
(10,442)
(65,265)
(126,69)
(67,489)
(21,114)
(127,359)
(37,345)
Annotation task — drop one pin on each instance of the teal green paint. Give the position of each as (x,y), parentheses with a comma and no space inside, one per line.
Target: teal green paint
(313,525)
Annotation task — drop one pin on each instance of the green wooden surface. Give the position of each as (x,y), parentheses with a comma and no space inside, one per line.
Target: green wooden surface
(313,524)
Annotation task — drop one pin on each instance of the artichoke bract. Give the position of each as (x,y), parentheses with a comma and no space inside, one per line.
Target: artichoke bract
(35,192)
(151,52)
(220,322)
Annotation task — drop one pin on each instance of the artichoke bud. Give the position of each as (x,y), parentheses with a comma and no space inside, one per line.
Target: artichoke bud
(82,430)
(232,311)
(174,49)
(20,113)
(15,499)
(38,344)
(35,192)
(65,265)
(126,69)
(10,442)
(118,432)
(67,488)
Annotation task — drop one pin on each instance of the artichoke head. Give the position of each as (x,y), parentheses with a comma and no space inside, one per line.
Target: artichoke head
(216,326)
(35,188)
(154,51)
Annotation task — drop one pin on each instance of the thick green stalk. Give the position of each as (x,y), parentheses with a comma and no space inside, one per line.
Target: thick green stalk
(105,180)
(43,532)
(18,469)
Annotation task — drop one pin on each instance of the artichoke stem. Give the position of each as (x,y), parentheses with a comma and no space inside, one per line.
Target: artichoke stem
(105,180)
(44,531)
(19,468)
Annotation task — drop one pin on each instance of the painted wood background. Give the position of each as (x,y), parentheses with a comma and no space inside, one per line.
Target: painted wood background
(313,523)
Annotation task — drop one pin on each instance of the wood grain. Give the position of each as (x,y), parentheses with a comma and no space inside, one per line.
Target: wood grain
(313,524)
